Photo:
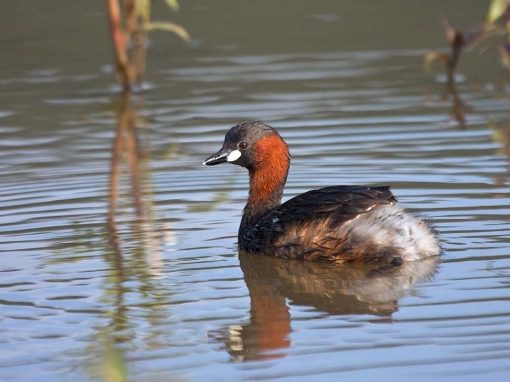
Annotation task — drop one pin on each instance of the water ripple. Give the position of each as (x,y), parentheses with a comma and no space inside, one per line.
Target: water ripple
(161,277)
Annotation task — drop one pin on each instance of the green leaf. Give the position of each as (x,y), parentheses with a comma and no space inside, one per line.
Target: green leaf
(496,10)
(173,4)
(169,27)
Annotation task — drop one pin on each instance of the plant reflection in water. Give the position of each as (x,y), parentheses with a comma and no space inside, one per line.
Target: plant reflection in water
(458,106)
(501,135)
(128,148)
(135,255)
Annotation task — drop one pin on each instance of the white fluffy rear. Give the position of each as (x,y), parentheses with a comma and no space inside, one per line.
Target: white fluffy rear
(390,226)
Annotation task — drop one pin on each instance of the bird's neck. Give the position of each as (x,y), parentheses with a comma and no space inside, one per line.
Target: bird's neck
(267,179)
(266,192)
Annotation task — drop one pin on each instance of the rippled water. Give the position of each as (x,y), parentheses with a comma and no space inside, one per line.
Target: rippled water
(118,247)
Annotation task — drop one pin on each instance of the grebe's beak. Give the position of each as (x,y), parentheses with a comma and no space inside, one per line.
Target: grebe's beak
(222,156)
(218,158)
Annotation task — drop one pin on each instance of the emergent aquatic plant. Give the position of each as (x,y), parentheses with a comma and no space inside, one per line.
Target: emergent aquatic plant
(129,25)
(496,25)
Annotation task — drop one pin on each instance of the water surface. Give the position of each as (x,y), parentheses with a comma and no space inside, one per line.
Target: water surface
(118,248)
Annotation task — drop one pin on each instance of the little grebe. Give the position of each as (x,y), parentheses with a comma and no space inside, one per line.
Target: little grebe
(336,224)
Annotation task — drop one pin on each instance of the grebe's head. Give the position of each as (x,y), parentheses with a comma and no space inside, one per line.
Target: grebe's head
(254,145)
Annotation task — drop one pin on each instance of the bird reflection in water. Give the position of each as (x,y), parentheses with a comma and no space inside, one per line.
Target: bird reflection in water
(329,288)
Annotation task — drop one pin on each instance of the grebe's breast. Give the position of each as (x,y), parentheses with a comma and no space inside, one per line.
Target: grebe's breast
(341,224)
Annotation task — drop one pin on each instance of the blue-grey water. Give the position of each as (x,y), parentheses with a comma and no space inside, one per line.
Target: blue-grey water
(118,248)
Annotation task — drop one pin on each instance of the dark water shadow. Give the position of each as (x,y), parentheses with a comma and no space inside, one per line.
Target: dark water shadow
(328,288)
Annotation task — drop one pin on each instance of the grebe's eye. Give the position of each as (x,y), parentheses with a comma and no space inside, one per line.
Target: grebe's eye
(243,145)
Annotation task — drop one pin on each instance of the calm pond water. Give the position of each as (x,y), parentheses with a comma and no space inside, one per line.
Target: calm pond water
(118,248)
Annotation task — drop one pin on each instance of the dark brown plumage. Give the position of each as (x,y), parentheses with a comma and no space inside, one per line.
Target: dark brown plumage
(306,226)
